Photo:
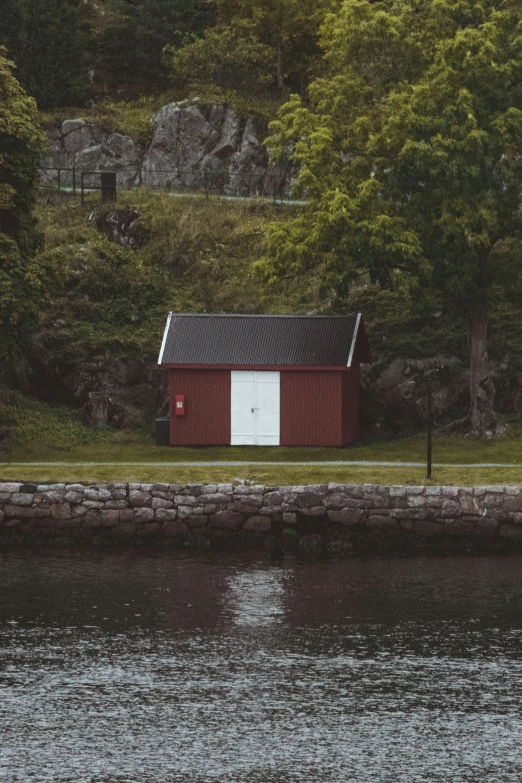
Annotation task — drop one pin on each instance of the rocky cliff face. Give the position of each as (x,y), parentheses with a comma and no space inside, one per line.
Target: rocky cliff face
(193,147)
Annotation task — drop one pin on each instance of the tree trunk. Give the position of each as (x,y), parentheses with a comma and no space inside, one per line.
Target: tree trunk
(482,391)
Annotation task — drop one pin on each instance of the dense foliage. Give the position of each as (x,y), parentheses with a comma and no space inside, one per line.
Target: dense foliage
(69,50)
(410,154)
(405,121)
(21,144)
(43,38)
(129,45)
(278,39)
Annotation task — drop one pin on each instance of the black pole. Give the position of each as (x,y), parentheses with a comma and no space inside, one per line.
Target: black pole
(430,427)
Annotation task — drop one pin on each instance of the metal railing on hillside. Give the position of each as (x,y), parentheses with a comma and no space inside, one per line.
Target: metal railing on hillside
(271,183)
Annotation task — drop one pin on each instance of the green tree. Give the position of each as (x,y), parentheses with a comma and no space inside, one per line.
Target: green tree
(12,27)
(130,45)
(230,56)
(22,143)
(278,37)
(44,40)
(410,154)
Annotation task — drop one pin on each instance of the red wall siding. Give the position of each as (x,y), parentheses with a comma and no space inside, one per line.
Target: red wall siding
(350,388)
(311,408)
(207,407)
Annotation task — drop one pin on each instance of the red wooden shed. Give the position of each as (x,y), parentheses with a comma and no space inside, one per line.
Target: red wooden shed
(267,380)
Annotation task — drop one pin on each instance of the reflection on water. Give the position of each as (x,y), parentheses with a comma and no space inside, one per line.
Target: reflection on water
(132,669)
(255,597)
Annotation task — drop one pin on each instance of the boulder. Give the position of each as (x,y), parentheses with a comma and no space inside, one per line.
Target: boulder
(209,148)
(124,156)
(394,394)
(77,135)
(119,225)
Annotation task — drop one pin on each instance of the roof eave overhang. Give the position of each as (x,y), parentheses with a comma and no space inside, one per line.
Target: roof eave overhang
(354,339)
(267,367)
(164,341)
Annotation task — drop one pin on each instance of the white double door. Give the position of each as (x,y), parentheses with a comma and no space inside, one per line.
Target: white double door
(255,412)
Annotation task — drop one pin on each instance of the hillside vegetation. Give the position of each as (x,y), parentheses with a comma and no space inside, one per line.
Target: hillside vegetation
(405,125)
(106,303)
(206,255)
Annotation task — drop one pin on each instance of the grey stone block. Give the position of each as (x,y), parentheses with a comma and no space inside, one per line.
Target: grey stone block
(140,498)
(165,514)
(161,503)
(72,496)
(9,487)
(258,523)
(227,519)
(381,522)
(143,515)
(22,499)
(470,504)
(110,518)
(61,511)
(111,504)
(346,516)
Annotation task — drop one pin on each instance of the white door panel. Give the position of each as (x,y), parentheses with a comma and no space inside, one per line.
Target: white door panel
(255,413)
(243,403)
(268,396)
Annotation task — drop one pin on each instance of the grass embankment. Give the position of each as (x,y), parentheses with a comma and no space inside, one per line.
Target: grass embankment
(276,476)
(196,256)
(45,434)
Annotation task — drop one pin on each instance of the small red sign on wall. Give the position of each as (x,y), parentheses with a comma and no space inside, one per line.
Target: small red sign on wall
(179,408)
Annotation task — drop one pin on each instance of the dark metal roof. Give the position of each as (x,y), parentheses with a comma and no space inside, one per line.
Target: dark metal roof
(303,340)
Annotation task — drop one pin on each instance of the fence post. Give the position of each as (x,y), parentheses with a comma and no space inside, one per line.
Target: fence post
(74,175)
(429,445)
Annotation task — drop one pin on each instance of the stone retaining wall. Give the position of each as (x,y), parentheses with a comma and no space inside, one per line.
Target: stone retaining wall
(315,519)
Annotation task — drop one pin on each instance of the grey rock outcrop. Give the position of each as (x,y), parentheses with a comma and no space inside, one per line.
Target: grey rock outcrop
(210,149)
(214,150)
(394,394)
(87,148)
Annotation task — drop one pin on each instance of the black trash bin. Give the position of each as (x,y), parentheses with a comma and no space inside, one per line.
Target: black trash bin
(163,431)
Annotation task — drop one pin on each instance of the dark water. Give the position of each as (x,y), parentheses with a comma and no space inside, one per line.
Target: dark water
(137,669)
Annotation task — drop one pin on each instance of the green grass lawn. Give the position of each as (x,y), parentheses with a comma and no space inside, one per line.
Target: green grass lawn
(120,447)
(264,475)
